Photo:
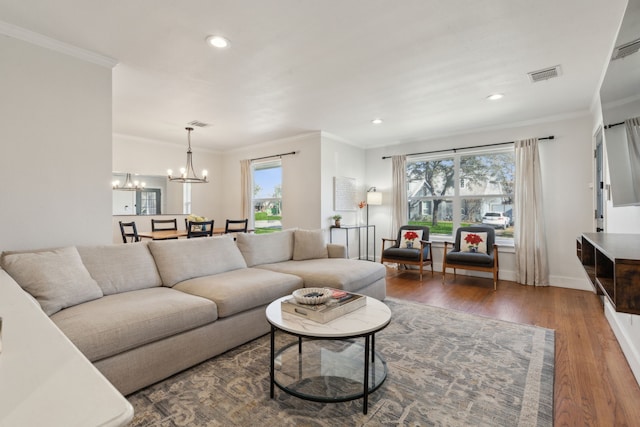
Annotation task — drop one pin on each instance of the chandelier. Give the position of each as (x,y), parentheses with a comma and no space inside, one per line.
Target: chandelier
(188,174)
(128,185)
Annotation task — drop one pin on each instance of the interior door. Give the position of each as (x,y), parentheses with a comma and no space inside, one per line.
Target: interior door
(599,183)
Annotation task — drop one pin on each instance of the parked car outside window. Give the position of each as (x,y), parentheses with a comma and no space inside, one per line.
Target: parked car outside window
(497,219)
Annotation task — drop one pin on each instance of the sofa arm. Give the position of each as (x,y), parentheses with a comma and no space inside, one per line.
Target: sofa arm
(336,251)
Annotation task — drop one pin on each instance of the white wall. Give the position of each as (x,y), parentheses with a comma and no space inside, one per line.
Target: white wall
(625,219)
(138,155)
(55,155)
(301,180)
(307,181)
(621,220)
(339,159)
(567,164)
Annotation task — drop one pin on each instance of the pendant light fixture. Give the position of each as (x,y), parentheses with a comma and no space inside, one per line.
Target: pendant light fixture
(128,185)
(188,174)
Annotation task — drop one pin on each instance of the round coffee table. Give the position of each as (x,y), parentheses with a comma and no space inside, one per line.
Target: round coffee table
(332,366)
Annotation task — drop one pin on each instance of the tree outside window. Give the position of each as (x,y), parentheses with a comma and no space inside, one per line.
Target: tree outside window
(267,196)
(445,193)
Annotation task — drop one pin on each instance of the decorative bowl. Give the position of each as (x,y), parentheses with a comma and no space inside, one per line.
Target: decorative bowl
(312,296)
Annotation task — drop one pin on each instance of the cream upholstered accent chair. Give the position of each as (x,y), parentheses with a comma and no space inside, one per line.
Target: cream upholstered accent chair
(411,247)
(474,249)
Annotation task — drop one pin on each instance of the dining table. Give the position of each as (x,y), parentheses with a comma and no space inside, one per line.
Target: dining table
(173,234)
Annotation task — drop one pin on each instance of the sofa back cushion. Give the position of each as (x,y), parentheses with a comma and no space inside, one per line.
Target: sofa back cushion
(183,259)
(56,278)
(121,268)
(309,244)
(266,248)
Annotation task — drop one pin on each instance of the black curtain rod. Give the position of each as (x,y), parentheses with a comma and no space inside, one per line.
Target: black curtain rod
(467,148)
(275,155)
(613,124)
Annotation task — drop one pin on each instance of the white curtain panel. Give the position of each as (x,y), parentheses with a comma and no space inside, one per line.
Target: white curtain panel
(633,141)
(530,243)
(245,183)
(399,193)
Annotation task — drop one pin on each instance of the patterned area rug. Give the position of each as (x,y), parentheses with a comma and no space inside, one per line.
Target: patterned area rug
(445,368)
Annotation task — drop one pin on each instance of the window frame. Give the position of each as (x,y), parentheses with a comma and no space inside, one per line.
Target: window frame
(261,165)
(457,198)
(143,197)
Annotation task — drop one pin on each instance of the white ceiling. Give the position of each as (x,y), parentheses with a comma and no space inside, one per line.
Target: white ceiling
(424,66)
(622,80)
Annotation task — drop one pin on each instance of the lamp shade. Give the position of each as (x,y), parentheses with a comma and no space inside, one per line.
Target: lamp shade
(374,198)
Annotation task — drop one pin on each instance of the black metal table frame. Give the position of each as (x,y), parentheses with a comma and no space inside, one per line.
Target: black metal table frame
(346,228)
(369,348)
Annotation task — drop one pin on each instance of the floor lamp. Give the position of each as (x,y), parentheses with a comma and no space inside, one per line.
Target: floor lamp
(373,198)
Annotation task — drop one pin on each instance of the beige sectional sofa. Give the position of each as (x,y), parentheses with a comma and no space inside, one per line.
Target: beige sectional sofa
(142,312)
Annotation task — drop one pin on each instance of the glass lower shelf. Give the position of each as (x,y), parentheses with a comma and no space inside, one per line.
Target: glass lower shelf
(327,370)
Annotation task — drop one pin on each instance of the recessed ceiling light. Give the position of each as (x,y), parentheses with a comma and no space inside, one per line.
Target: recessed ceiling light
(218,41)
(376,121)
(495,96)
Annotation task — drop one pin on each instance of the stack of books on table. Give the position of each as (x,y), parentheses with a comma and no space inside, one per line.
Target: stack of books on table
(340,303)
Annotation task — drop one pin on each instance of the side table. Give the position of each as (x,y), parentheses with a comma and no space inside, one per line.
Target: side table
(346,229)
(332,367)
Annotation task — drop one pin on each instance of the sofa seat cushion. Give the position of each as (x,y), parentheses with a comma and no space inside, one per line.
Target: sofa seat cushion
(120,322)
(405,253)
(338,273)
(471,259)
(121,268)
(184,259)
(240,290)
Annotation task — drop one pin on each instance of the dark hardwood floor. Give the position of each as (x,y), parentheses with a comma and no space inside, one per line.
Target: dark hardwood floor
(594,385)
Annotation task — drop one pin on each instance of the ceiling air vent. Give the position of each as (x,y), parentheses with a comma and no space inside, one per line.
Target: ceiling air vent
(545,74)
(626,49)
(199,124)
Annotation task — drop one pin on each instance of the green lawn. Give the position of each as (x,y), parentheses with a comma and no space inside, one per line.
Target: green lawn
(443,227)
(263,216)
(446,228)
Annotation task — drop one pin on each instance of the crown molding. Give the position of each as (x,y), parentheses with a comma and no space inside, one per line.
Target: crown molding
(38,39)
(122,137)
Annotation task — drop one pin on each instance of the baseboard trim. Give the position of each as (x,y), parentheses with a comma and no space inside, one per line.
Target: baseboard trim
(581,284)
(626,343)
(571,283)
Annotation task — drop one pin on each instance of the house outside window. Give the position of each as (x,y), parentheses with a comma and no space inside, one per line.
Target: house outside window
(267,196)
(462,189)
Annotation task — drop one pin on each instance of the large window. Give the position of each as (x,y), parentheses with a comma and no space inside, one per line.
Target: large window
(463,189)
(267,196)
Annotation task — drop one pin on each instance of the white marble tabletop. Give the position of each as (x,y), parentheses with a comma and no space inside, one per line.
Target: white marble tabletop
(374,316)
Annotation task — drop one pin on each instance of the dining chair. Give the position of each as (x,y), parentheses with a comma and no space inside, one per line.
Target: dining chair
(129,231)
(199,229)
(164,224)
(236,226)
